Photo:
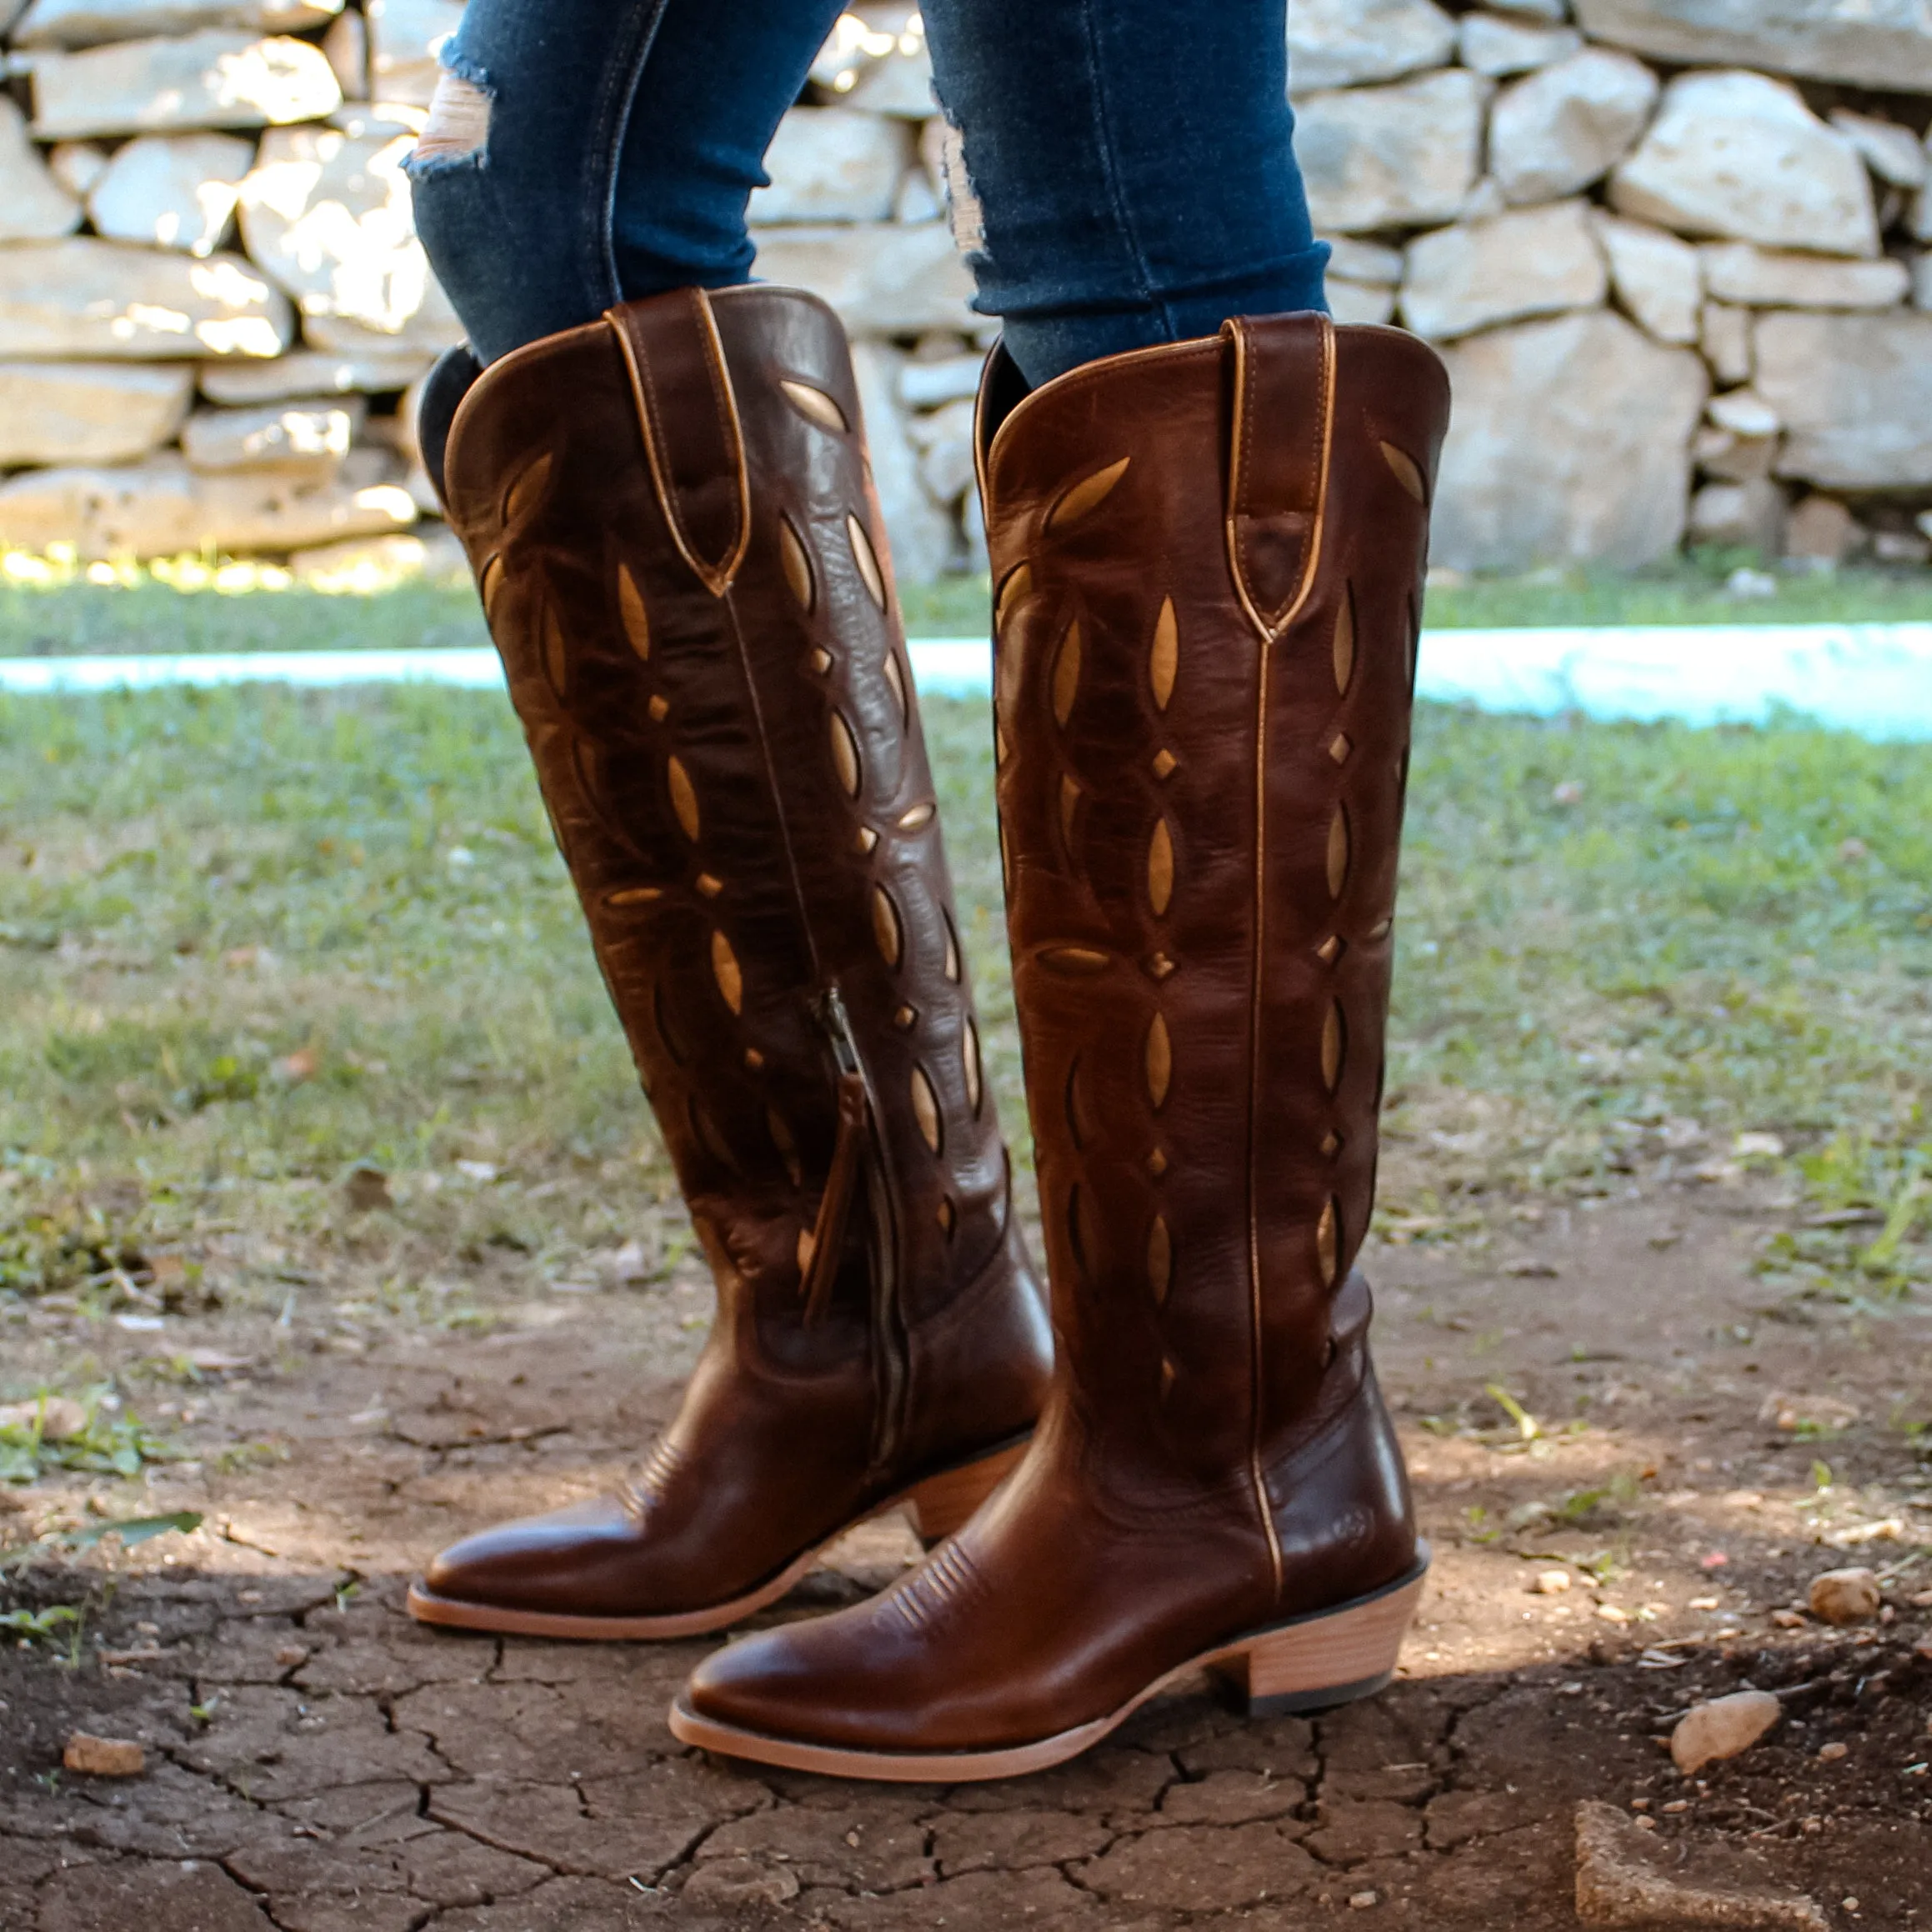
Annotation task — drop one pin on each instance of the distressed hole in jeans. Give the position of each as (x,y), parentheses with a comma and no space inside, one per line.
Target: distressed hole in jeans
(458,126)
(963,207)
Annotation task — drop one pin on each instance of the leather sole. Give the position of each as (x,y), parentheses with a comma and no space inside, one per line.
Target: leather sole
(938,1505)
(1308,1663)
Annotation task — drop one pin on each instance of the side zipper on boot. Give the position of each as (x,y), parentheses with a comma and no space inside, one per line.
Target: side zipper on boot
(856,1150)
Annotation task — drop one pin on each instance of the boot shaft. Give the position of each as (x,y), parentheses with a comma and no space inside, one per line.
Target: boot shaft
(1207,563)
(672,522)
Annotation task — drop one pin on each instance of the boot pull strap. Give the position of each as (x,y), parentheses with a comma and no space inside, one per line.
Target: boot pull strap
(1280,430)
(689,418)
(835,1204)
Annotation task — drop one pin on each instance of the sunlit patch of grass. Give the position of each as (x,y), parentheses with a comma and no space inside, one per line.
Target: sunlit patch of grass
(249,609)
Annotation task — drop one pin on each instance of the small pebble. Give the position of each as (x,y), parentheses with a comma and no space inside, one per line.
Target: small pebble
(1844,1596)
(1789,1619)
(1678,1805)
(291,1654)
(1722,1728)
(1362,1900)
(94,1757)
(1831,1753)
(1646,1824)
(1549,1582)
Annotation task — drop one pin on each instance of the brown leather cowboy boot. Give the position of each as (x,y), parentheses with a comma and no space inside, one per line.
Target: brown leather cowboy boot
(673,527)
(1208,561)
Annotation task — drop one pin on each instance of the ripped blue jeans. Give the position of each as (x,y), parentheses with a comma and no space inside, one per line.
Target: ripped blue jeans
(1128,169)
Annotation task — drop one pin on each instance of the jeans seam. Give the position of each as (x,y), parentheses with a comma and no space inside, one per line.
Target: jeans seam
(622,78)
(1103,149)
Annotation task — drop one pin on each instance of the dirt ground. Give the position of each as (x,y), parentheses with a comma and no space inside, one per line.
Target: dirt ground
(1692,1455)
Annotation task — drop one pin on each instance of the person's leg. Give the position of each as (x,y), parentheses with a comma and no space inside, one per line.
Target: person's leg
(666,498)
(584,152)
(1125,171)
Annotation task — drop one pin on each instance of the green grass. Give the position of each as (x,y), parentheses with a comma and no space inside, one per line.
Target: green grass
(79,618)
(251,938)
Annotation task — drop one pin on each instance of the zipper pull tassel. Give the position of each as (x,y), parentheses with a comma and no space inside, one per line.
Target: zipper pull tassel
(828,1236)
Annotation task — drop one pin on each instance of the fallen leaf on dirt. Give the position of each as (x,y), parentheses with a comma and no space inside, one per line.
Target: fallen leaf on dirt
(1844,1596)
(215,1361)
(94,1757)
(1722,1728)
(59,1416)
(367,1189)
(1813,1412)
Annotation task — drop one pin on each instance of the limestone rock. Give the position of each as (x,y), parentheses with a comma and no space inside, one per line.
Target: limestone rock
(1854,392)
(1743,412)
(833,164)
(1368,262)
(1822,530)
(1740,516)
(882,280)
(1740,155)
(313,437)
(360,565)
(1352,303)
(1725,335)
(89,411)
(404,37)
(876,59)
(928,385)
(431,330)
(921,534)
(1542,468)
(346,47)
(1844,1596)
(163,508)
(1341,43)
(944,442)
(1656,277)
(1759,278)
(1405,155)
(1885,44)
(311,373)
(1568,125)
(77,165)
(1534,261)
(328,214)
(1623,1877)
(72,23)
(172,191)
(34,206)
(1894,154)
(1722,1727)
(1495,45)
(215,79)
(87,297)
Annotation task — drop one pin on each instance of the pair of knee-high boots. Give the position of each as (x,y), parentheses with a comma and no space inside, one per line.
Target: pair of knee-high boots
(1207,562)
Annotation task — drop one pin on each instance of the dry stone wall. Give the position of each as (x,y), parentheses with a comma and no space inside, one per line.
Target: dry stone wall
(1678,253)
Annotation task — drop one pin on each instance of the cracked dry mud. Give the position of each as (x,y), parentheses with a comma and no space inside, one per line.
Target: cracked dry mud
(318,1764)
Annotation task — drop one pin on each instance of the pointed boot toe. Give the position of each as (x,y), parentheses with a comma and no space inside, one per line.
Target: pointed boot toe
(522,1576)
